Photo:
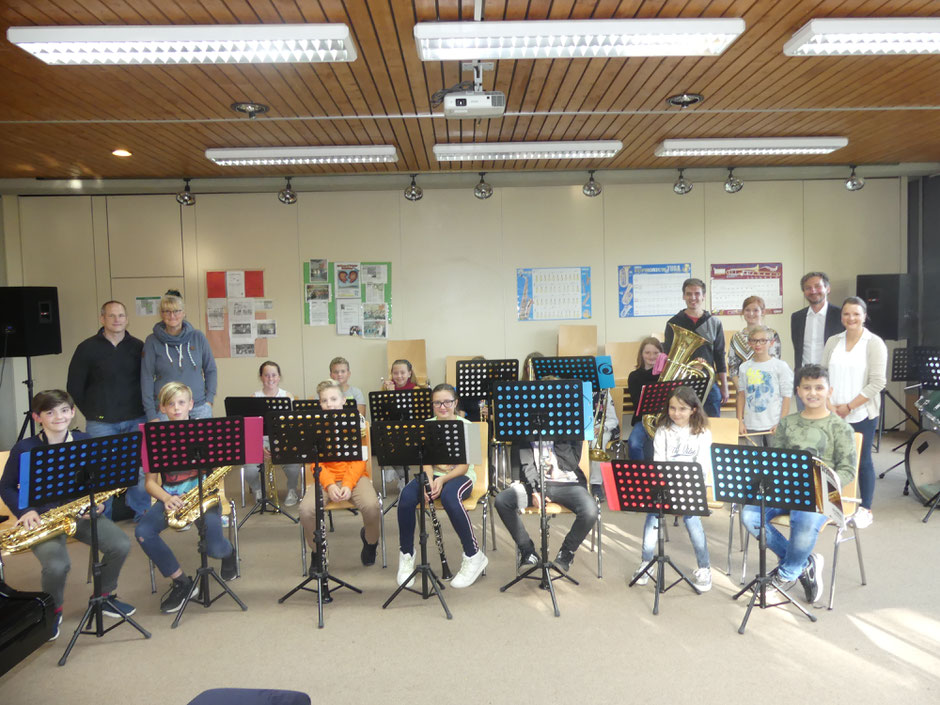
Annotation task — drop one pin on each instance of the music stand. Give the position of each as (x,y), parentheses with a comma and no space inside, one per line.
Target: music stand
(475,382)
(544,410)
(654,394)
(260,406)
(66,471)
(201,444)
(315,436)
(400,405)
(301,405)
(421,443)
(575,367)
(766,477)
(660,488)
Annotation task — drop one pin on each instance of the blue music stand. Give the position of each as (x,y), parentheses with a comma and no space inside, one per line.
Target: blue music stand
(669,487)
(66,471)
(544,410)
(766,477)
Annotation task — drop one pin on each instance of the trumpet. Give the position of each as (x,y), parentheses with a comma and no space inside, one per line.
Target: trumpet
(596,451)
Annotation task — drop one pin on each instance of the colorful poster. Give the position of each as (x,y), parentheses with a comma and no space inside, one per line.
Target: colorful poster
(553,293)
(651,289)
(348,285)
(732,283)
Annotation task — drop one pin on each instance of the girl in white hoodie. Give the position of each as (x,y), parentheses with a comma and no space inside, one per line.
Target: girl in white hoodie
(681,434)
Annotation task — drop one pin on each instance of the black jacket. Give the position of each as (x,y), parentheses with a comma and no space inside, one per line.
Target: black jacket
(798,329)
(104,379)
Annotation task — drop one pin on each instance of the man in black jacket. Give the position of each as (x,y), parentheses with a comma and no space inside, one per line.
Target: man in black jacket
(812,326)
(104,381)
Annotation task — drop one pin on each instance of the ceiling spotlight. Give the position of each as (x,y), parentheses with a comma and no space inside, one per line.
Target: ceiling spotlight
(186,197)
(733,184)
(482,190)
(287,195)
(591,188)
(682,185)
(250,108)
(416,193)
(854,183)
(685,100)
(121,152)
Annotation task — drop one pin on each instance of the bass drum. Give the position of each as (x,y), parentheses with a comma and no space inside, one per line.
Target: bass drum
(922,464)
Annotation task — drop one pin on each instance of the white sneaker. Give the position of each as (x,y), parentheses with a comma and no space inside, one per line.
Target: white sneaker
(257,495)
(702,579)
(470,569)
(644,577)
(863,518)
(406,564)
(291,498)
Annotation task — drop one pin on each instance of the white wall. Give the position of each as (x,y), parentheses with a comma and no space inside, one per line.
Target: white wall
(453,259)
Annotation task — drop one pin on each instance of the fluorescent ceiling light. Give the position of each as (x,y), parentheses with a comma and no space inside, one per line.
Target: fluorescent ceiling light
(266,156)
(495,151)
(866,35)
(187,44)
(745,146)
(574,39)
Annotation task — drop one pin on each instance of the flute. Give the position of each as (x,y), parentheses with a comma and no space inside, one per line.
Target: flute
(436,524)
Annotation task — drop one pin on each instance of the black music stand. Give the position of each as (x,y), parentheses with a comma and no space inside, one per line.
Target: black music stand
(653,395)
(399,405)
(900,372)
(582,367)
(765,477)
(474,383)
(421,443)
(66,471)
(543,410)
(263,407)
(315,436)
(929,365)
(661,488)
(314,404)
(198,444)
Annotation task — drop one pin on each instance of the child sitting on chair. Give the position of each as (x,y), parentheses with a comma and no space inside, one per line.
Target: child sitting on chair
(176,401)
(342,481)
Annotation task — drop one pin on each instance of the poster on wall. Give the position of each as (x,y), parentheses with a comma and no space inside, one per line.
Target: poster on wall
(327,284)
(553,293)
(732,283)
(234,304)
(651,289)
(147,305)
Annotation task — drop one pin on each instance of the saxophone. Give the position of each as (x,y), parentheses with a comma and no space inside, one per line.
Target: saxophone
(211,492)
(59,520)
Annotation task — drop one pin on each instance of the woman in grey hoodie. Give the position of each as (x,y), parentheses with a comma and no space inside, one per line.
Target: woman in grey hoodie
(177,352)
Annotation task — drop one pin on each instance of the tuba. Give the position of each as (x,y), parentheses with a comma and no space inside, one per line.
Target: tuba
(59,520)
(211,492)
(680,365)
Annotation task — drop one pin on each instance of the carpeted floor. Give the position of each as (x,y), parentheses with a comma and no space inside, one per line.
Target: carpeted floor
(881,643)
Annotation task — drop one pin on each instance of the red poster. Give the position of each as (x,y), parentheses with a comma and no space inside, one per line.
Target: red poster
(254,283)
(215,285)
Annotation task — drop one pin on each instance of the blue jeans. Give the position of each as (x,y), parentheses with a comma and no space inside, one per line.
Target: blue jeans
(793,553)
(640,444)
(696,535)
(713,401)
(136,497)
(452,495)
(866,468)
(154,521)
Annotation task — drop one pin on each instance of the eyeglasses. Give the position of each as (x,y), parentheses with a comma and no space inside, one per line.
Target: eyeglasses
(171,311)
(758,340)
(444,404)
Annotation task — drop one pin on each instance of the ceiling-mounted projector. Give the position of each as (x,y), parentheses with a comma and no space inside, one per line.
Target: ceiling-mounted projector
(474,104)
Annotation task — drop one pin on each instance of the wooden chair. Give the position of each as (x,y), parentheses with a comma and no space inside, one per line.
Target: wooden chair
(839,511)
(415,351)
(577,340)
(552,509)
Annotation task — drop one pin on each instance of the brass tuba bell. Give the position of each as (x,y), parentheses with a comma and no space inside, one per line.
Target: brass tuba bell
(681,365)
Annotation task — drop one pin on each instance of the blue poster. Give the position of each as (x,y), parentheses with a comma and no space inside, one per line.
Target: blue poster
(553,293)
(651,289)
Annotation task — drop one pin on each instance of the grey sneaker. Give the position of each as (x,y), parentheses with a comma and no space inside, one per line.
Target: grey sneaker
(811,579)
(564,559)
(782,585)
(702,579)
(642,578)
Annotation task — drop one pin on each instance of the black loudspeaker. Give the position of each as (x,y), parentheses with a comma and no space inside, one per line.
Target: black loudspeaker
(29,321)
(890,299)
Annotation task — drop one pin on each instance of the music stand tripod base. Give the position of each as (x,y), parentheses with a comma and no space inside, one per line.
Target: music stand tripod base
(266,505)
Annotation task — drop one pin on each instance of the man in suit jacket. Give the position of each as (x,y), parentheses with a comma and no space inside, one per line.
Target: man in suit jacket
(812,326)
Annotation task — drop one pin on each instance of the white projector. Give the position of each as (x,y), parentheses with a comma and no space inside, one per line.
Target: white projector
(474,104)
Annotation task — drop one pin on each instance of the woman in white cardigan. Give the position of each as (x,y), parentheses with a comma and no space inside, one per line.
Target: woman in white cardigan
(857,360)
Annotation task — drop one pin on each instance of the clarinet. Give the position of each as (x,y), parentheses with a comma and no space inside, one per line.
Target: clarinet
(321,539)
(436,524)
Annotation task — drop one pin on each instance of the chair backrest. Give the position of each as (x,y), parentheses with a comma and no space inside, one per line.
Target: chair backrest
(850,491)
(724,430)
(623,358)
(415,351)
(577,340)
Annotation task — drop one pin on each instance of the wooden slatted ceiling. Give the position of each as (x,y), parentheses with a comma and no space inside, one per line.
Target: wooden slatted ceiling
(752,90)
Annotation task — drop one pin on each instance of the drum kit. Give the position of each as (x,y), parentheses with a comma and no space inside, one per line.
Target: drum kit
(922,456)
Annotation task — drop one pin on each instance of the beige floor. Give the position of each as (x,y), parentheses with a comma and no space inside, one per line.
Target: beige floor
(881,644)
